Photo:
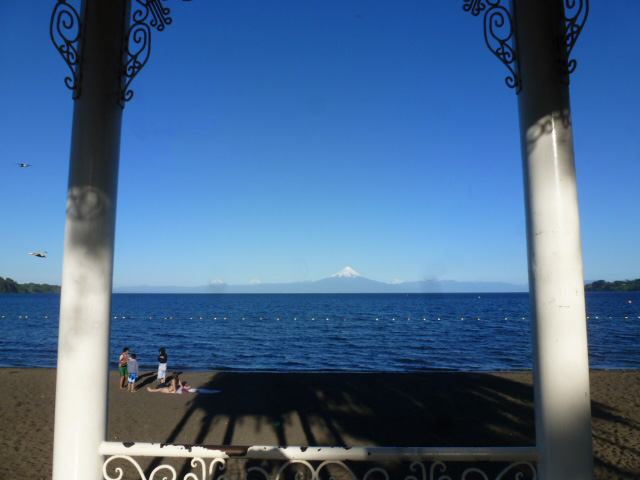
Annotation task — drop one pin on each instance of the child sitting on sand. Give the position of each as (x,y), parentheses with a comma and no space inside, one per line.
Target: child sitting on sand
(132,366)
(176,386)
(180,387)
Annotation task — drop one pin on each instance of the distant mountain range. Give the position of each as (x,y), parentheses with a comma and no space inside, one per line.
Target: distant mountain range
(345,281)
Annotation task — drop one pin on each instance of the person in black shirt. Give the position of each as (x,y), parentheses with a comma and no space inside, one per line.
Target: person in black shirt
(162,365)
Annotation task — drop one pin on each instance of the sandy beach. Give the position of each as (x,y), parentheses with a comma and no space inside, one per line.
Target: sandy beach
(375,409)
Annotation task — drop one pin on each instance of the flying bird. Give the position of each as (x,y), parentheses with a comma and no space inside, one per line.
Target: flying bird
(24,164)
(39,254)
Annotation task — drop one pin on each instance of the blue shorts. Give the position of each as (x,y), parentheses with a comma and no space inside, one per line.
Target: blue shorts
(133,377)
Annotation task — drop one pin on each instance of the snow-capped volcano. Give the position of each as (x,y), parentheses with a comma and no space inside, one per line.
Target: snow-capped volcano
(346,272)
(345,281)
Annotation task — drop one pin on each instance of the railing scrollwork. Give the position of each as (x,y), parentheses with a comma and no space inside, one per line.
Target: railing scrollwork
(306,470)
(165,472)
(513,471)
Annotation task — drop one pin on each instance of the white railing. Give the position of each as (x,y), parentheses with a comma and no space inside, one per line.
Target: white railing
(209,462)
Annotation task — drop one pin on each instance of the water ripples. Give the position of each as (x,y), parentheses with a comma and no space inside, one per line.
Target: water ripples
(306,333)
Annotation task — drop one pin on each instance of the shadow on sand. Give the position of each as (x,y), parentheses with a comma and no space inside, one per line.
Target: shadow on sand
(398,409)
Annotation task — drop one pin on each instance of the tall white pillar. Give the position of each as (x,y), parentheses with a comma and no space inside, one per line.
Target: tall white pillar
(556,281)
(85,310)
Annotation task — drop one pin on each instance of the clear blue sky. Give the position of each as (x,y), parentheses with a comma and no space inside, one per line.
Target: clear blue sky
(286,139)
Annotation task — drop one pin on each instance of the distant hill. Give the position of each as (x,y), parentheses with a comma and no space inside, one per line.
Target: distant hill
(617,286)
(346,281)
(9,285)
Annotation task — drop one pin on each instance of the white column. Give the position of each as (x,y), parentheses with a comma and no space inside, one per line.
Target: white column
(85,310)
(556,281)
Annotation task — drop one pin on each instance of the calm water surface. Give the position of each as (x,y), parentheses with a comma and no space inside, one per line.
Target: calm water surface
(325,332)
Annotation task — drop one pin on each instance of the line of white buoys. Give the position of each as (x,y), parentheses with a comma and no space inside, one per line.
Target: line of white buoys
(393,319)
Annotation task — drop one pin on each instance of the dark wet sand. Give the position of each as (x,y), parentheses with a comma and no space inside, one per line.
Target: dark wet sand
(423,409)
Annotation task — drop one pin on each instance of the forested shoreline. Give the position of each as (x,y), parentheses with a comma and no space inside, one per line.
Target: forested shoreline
(8,285)
(617,286)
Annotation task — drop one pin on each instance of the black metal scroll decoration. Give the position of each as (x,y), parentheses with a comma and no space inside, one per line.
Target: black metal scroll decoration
(148,14)
(474,6)
(498,35)
(65,30)
(576,13)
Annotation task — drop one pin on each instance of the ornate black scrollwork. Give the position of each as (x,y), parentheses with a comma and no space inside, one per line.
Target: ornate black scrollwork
(160,14)
(576,13)
(498,35)
(474,6)
(65,30)
(148,14)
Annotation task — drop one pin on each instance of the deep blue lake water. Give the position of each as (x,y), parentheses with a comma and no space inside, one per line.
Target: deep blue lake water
(324,332)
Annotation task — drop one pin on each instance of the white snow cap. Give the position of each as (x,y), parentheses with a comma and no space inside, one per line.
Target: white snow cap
(255,281)
(217,281)
(347,272)
(397,282)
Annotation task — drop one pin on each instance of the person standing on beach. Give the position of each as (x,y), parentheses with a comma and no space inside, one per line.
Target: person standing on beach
(162,366)
(122,366)
(132,366)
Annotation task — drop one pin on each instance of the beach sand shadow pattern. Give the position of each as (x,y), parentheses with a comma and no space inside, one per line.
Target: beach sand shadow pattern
(399,409)
(423,409)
